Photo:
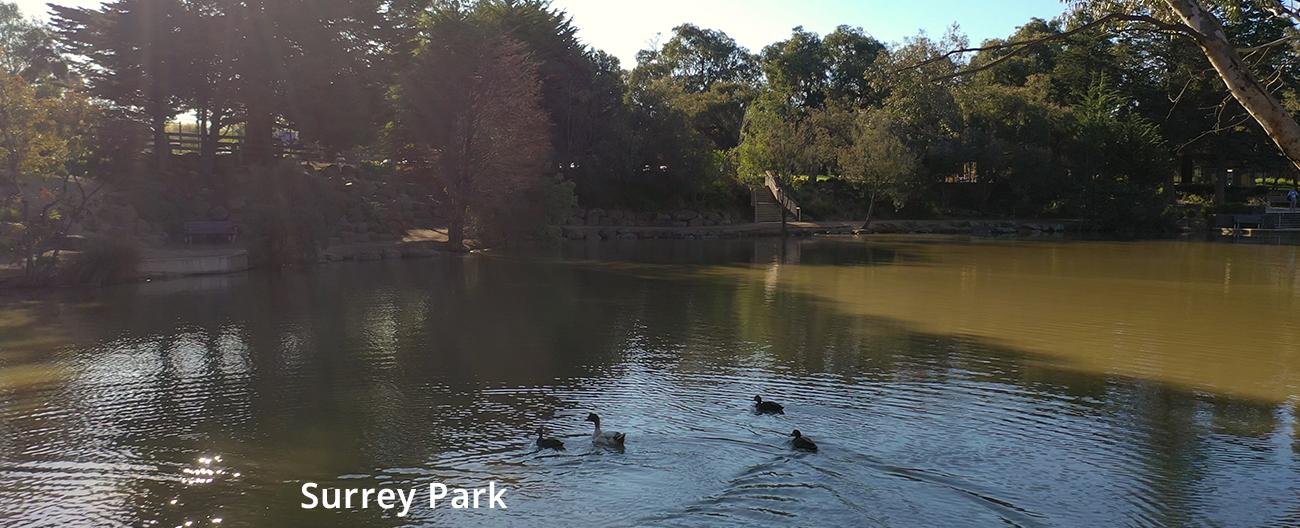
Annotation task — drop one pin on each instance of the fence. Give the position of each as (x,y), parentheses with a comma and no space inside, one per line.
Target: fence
(192,143)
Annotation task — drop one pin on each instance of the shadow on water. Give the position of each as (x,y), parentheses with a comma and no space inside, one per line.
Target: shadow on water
(401,374)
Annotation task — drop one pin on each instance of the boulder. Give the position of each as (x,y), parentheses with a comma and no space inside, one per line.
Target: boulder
(573,234)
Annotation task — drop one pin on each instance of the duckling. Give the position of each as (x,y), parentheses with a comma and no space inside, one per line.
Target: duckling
(767,407)
(604,438)
(802,442)
(548,443)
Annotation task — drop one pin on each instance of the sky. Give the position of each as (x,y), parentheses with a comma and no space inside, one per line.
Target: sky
(623,27)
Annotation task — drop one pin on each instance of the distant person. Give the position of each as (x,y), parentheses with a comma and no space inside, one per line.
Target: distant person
(1291,196)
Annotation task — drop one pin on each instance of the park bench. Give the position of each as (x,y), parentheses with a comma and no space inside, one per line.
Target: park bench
(1253,220)
(226,230)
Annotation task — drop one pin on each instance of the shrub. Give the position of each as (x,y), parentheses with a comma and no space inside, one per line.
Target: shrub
(286,219)
(103,261)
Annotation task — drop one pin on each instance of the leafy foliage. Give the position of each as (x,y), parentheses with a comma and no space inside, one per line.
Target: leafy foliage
(471,119)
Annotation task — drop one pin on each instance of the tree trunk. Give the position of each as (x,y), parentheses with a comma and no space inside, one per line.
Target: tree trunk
(162,146)
(456,229)
(871,209)
(257,147)
(1243,85)
(205,132)
(1186,169)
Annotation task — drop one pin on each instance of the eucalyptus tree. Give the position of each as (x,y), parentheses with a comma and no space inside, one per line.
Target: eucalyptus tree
(1202,23)
(706,75)
(850,53)
(797,67)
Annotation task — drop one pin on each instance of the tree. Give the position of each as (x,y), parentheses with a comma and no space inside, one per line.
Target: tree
(27,49)
(582,93)
(704,74)
(1200,21)
(1117,159)
(701,58)
(776,140)
(311,63)
(850,54)
(470,117)
(797,67)
(40,198)
(132,59)
(878,159)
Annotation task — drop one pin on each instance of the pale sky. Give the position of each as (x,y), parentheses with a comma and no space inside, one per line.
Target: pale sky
(622,27)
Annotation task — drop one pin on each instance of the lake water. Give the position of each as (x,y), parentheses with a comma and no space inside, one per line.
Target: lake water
(948,381)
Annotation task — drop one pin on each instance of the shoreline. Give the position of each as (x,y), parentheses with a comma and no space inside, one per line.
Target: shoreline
(977,227)
(159,264)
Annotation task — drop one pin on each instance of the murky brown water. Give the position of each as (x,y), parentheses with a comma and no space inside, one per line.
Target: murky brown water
(948,382)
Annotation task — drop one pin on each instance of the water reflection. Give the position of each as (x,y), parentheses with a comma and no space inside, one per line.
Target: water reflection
(947,382)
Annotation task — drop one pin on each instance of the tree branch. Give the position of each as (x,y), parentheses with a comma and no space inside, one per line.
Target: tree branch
(1020,46)
(1278,42)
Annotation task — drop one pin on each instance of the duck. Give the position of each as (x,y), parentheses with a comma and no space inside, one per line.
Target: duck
(548,443)
(767,407)
(802,442)
(604,438)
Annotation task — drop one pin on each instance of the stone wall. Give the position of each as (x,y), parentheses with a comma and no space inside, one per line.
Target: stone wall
(677,218)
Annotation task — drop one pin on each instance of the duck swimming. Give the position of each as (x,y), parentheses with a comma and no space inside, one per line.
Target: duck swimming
(604,438)
(548,443)
(801,442)
(767,407)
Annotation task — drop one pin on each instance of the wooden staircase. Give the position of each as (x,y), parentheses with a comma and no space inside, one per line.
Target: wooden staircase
(769,201)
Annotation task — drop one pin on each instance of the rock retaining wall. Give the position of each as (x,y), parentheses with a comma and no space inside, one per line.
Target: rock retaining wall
(677,218)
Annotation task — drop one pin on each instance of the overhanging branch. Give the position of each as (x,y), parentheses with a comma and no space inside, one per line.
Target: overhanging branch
(1016,48)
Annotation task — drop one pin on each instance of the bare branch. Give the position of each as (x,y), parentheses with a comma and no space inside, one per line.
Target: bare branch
(1015,48)
(1278,42)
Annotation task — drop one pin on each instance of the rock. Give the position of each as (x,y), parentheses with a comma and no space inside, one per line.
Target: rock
(11,229)
(684,215)
(416,252)
(72,243)
(367,255)
(573,234)
(392,253)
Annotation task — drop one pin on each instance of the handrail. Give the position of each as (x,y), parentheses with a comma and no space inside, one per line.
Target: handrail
(777,192)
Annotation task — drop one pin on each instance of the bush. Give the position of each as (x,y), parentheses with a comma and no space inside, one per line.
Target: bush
(286,218)
(103,261)
(1234,208)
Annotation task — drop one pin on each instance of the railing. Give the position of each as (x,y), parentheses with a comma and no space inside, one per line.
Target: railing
(781,197)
